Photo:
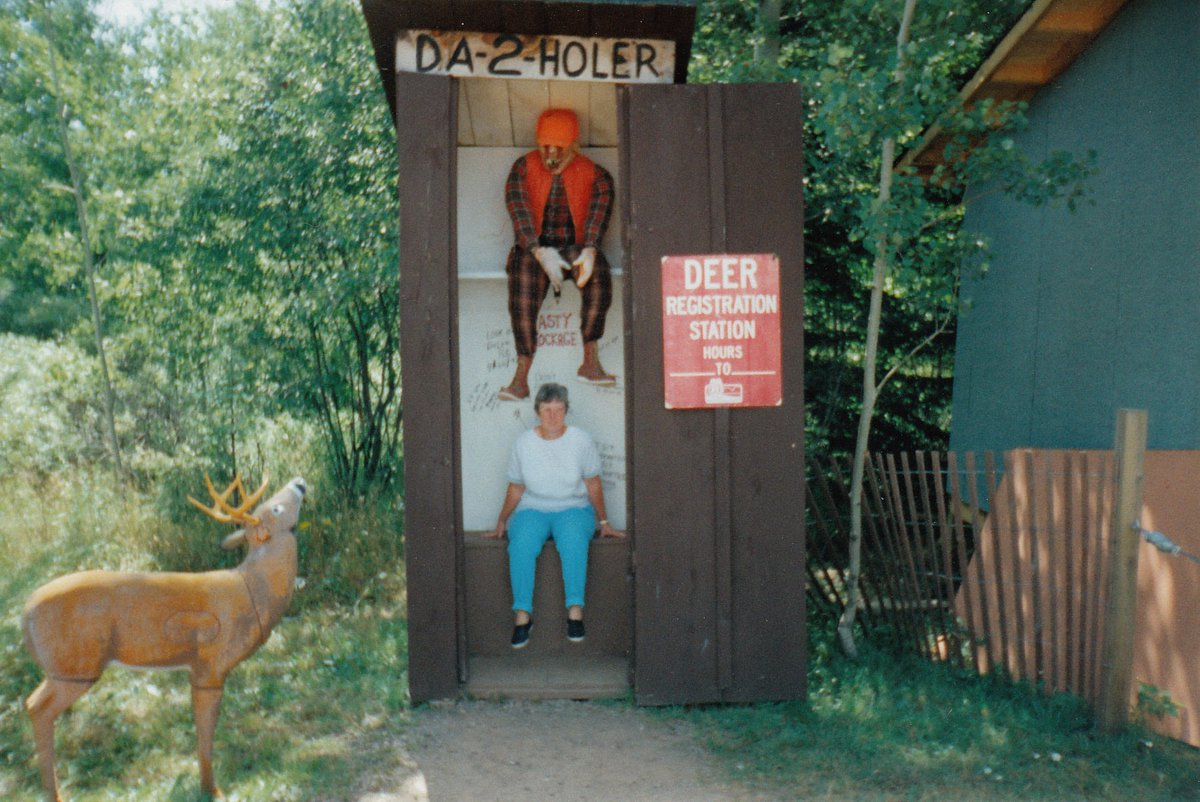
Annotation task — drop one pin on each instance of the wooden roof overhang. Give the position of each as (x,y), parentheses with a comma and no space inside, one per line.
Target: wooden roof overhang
(1043,43)
(662,19)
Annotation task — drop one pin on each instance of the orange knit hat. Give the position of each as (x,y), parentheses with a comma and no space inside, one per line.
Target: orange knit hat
(557,127)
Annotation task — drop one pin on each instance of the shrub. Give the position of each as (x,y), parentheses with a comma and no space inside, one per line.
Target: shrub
(47,417)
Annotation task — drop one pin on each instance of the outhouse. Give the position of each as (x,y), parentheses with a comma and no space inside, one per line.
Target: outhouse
(704,600)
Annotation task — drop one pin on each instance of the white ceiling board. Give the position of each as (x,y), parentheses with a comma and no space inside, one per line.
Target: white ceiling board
(574,95)
(527,100)
(602,114)
(503,113)
(466,132)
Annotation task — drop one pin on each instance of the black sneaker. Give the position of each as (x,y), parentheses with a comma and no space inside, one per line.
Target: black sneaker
(521,634)
(575,631)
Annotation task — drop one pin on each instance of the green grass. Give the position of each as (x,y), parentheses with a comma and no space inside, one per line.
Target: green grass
(308,711)
(899,728)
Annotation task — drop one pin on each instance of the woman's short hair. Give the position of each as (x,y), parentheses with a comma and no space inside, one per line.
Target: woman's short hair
(549,392)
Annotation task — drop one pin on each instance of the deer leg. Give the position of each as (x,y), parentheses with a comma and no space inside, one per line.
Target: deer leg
(206,705)
(45,705)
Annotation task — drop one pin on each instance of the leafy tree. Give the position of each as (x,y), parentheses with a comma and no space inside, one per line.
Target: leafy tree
(305,189)
(39,36)
(238,172)
(839,53)
(46,414)
(270,279)
(35,296)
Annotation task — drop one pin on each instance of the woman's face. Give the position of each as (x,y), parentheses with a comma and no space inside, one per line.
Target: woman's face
(552,414)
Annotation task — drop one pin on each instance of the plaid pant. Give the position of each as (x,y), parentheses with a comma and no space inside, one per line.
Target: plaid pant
(527,288)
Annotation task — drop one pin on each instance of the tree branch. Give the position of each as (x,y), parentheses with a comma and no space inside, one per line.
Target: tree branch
(937,332)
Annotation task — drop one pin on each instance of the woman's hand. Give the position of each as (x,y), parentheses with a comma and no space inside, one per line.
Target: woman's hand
(595,491)
(512,496)
(606,530)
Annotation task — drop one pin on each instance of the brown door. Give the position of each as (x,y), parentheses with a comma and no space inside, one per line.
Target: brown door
(716,496)
(425,131)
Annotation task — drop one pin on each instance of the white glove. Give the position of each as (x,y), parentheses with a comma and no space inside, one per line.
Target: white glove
(586,262)
(553,264)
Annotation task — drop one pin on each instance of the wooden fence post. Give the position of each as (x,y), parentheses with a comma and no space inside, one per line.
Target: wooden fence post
(1112,708)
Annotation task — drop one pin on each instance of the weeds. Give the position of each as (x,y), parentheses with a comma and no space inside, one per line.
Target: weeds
(298,718)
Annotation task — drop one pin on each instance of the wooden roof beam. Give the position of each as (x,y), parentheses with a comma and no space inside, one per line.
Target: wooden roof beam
(1005,48)
(1040,46)
(1022,73)
(1087,17)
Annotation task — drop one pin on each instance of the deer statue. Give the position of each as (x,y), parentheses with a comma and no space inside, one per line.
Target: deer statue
(205,622)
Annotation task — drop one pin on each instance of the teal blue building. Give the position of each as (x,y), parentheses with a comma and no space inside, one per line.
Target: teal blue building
(1084,313)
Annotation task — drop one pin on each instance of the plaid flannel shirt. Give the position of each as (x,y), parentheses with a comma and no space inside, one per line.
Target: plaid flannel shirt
(558,228)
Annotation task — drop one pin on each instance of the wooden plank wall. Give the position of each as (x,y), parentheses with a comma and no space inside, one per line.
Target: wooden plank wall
(671,481)
(716,495)
(428,330)
(764,208)
(511,109)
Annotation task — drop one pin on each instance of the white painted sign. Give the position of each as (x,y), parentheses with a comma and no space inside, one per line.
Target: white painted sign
(509,55)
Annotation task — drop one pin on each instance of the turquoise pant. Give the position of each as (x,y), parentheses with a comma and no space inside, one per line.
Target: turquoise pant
(528,531)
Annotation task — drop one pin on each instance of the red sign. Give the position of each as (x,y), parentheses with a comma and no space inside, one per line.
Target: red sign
(721,343)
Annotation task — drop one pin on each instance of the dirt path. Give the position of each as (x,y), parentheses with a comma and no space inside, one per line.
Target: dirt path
(553,751)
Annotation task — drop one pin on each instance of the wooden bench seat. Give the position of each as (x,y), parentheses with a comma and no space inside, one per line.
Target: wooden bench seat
(608,610)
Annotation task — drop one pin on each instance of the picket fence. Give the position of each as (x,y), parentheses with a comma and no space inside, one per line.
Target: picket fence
(961,566)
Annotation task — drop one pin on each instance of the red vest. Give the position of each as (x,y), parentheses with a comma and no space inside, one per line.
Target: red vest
(578,178)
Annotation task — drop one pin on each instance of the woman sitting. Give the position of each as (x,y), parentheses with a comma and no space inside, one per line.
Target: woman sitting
(554,490)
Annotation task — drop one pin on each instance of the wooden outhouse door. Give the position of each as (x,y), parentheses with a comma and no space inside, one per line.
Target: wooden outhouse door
(716,495)
(425,130)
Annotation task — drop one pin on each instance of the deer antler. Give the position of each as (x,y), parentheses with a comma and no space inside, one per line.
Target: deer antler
(225,513)
(248,500)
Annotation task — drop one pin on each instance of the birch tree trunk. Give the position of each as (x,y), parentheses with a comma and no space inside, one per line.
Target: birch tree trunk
(883,259)
(89,266)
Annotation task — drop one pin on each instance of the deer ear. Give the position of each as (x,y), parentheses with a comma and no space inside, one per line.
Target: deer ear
(231,542)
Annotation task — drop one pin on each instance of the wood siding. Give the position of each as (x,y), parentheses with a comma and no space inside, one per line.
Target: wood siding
(717,496)
(1083,313)
(428,331)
